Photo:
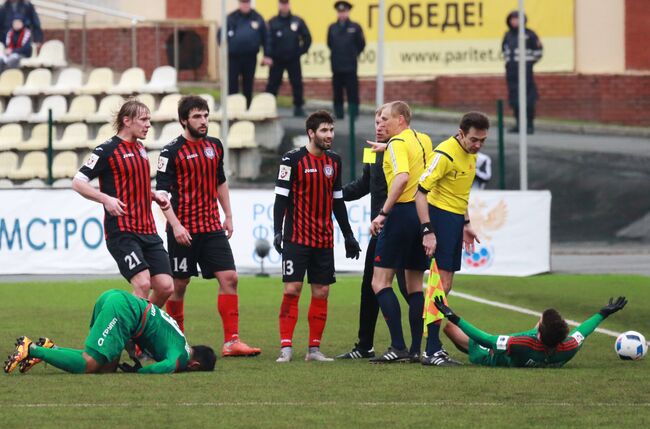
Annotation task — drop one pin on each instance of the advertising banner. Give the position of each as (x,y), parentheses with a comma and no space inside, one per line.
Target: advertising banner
(427,38)
(59,232)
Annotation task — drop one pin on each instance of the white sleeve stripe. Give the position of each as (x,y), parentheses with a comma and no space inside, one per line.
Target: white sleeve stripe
(282,191)
(393,159)
(82,177)
(432,167)
(338,195)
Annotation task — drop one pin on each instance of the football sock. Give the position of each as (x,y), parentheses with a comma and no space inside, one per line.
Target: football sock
(416,307)
(317,317)
(433,340)
(69,360)
(393,316)
(176,310)
(288,318)
(228,306)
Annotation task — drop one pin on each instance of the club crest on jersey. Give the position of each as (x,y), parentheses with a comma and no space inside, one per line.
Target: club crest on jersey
(285,173)
(255,25)
(162,163)
(209,152)
(328,170)
(143,152)
(91,161)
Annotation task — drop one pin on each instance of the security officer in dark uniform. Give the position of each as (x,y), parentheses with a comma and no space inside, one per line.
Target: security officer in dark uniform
(534,51)
(290,39)
(246,31)
(345,40)
(373,182)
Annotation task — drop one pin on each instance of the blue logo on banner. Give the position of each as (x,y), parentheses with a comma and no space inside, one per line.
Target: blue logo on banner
(39,234)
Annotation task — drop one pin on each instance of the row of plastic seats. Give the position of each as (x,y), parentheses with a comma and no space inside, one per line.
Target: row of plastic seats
(51,54)
(100,81)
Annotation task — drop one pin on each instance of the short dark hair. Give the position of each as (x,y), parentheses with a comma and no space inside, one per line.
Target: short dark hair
(205,356)
(188,103)
(553,329)
(317,118)
(476,120)
(400,108)
(130,109)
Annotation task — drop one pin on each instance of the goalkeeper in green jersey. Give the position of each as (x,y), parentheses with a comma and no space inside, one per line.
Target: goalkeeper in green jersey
(119,317)
(549,344)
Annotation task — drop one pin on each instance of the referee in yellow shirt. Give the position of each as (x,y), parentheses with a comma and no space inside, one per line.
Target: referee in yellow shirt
(399,245)
(441,201)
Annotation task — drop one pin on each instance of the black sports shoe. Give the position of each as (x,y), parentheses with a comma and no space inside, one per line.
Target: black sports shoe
(414,357)
(439,358)
(357,353)
(392,355)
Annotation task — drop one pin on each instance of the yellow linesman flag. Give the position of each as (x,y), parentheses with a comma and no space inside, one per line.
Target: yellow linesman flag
(434,289)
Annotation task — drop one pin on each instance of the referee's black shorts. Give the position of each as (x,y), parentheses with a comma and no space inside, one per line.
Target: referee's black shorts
(399,245)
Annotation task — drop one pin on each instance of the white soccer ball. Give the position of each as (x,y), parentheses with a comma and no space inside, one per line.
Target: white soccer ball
(631,345)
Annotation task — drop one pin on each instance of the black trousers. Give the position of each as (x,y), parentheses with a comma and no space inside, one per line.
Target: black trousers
(369,307)
(348,81)
(294,70)
(242,66)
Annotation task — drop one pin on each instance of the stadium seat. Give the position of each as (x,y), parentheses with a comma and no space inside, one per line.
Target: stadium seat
(236,107)
(34,165)
(38,138)
(8,163)
(64,183)
(211,104)
(6,184)
(263,106)
(34,183)
(130,82)
(105,132)
(37,81)
(153,162)
(25,62)
(51,54)
(57,103)
(68,82)
(18,109)
(65,164)
(168,109)
(163,81)
(10,80)
(11,135)
(148,100)
(241,135)
(99,81)
(74,136)
(108,106)
(214,129)
(80,107)
(169,132)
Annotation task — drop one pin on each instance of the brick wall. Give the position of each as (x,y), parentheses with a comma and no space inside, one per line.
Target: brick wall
(615,99)
(637,34)
(111,47)
(187,9)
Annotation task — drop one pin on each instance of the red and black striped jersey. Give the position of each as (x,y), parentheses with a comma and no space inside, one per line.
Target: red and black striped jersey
(191,171)
(123,171)
(311,183)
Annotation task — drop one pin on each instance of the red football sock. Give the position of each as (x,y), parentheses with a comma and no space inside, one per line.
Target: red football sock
(176,310)
(288,319)
(317,318)
(228,306)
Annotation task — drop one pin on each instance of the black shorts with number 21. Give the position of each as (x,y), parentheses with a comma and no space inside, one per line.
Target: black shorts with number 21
(138,252)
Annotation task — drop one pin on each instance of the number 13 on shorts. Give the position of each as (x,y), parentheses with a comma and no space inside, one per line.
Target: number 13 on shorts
(287,267)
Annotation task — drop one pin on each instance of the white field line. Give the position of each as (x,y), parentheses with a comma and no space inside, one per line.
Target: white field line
(525,311)
(333,403)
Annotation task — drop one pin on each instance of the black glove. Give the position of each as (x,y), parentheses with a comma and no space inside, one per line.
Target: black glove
(613,306)
(125,367)
(448,312)
(352,248)
(277,242)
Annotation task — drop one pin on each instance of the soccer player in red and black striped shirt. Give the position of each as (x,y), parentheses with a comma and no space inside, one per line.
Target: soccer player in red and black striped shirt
(190,171)
(308,190)
(122,166)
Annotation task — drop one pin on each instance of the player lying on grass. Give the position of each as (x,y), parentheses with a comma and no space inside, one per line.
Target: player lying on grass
(548,344)
(118,317)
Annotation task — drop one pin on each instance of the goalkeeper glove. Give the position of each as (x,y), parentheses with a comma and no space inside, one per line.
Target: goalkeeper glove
(352,248)
(448,312)
(613,306)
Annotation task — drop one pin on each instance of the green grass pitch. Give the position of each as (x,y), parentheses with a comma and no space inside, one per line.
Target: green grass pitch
(595,389)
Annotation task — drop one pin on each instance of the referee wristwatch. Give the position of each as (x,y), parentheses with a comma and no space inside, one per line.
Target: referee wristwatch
(383,213)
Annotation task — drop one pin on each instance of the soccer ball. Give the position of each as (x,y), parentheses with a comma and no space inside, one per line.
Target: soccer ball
(631,345)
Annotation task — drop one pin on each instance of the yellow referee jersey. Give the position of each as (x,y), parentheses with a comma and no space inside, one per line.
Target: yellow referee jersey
(449,176)
(408,152)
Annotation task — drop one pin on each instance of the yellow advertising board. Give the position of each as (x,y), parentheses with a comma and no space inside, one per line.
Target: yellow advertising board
(434,37)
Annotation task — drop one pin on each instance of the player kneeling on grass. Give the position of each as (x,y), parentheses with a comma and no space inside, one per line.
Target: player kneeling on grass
(119,316)
(549,344)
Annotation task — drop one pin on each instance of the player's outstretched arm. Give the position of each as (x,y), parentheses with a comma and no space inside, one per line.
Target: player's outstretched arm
(481,337)
(590,325)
